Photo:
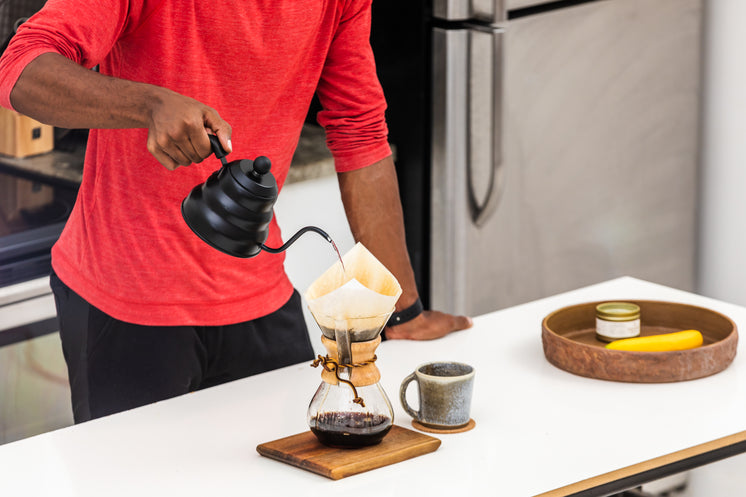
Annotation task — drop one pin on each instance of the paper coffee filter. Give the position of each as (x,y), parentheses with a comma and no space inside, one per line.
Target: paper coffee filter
(363,289)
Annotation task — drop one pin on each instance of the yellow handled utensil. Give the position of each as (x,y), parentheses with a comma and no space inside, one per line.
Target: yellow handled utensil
(680,340)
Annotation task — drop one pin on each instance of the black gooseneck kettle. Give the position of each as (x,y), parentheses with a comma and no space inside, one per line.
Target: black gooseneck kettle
(231,211)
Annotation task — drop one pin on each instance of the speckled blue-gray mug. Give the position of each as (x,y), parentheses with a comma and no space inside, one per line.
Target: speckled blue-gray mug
(445,394)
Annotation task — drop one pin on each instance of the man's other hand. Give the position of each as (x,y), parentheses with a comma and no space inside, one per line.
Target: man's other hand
(428,326)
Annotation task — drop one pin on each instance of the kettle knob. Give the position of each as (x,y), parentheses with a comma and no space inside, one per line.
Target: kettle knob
(262,165)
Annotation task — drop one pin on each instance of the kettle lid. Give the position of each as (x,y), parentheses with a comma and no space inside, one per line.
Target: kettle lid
(254,176)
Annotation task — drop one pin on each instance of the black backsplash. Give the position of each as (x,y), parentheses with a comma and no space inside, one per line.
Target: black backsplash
(14,11)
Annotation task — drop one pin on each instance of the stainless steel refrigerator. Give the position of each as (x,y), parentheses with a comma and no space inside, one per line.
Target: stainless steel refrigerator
(563,147)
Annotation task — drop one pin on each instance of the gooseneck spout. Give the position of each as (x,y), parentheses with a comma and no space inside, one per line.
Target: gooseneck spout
(295,237)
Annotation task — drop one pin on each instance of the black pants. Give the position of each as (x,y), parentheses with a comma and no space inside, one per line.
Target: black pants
(114,366)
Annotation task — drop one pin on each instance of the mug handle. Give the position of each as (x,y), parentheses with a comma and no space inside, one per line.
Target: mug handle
(403,396)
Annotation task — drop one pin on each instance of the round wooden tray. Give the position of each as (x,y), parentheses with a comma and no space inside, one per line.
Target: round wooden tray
(570,343)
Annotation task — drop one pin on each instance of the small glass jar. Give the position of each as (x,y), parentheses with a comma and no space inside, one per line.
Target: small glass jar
(617,320)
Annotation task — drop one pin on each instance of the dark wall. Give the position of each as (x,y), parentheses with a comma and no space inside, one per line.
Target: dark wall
(401,38)
(13,10)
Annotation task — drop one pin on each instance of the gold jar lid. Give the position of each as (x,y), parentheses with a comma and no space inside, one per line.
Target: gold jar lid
(617,311)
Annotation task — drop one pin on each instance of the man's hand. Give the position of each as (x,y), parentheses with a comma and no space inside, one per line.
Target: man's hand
(428,326)
(177,132)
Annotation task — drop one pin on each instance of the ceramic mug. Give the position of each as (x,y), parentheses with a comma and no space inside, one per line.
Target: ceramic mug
(445,394)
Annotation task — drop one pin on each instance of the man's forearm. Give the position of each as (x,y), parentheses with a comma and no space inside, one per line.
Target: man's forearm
(371,199)
(59,92)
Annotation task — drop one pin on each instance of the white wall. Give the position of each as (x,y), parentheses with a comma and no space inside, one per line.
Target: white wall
(722,256)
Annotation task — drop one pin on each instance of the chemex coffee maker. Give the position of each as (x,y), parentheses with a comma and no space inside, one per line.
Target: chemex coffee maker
(350,408)
(351,302)
(231,211)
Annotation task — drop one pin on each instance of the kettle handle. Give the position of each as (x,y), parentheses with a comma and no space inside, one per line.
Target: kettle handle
(217,148)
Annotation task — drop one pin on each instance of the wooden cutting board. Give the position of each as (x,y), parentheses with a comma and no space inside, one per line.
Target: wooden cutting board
(305,451)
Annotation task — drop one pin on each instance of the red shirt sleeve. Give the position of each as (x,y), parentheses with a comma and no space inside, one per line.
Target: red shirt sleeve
(353,103)
(84,31)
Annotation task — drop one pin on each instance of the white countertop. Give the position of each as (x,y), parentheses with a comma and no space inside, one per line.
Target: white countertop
(538,428)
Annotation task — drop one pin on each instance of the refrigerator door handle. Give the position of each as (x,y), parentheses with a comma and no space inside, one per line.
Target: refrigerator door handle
(484,121)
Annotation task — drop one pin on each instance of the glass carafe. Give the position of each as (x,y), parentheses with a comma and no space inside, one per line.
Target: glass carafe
(350,408)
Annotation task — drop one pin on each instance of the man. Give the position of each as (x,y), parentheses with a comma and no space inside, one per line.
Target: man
(147,310)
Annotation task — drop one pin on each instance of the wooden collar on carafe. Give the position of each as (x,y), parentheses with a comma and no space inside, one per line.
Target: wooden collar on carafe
(363,372)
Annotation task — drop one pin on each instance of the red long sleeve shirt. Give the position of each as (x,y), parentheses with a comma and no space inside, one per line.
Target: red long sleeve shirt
(126,248)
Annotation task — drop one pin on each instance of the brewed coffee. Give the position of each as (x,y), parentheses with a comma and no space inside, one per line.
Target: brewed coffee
(350,429)
(355,335)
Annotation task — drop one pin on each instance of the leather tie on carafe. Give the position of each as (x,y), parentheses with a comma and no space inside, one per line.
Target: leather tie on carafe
(363,371)
(360,368)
